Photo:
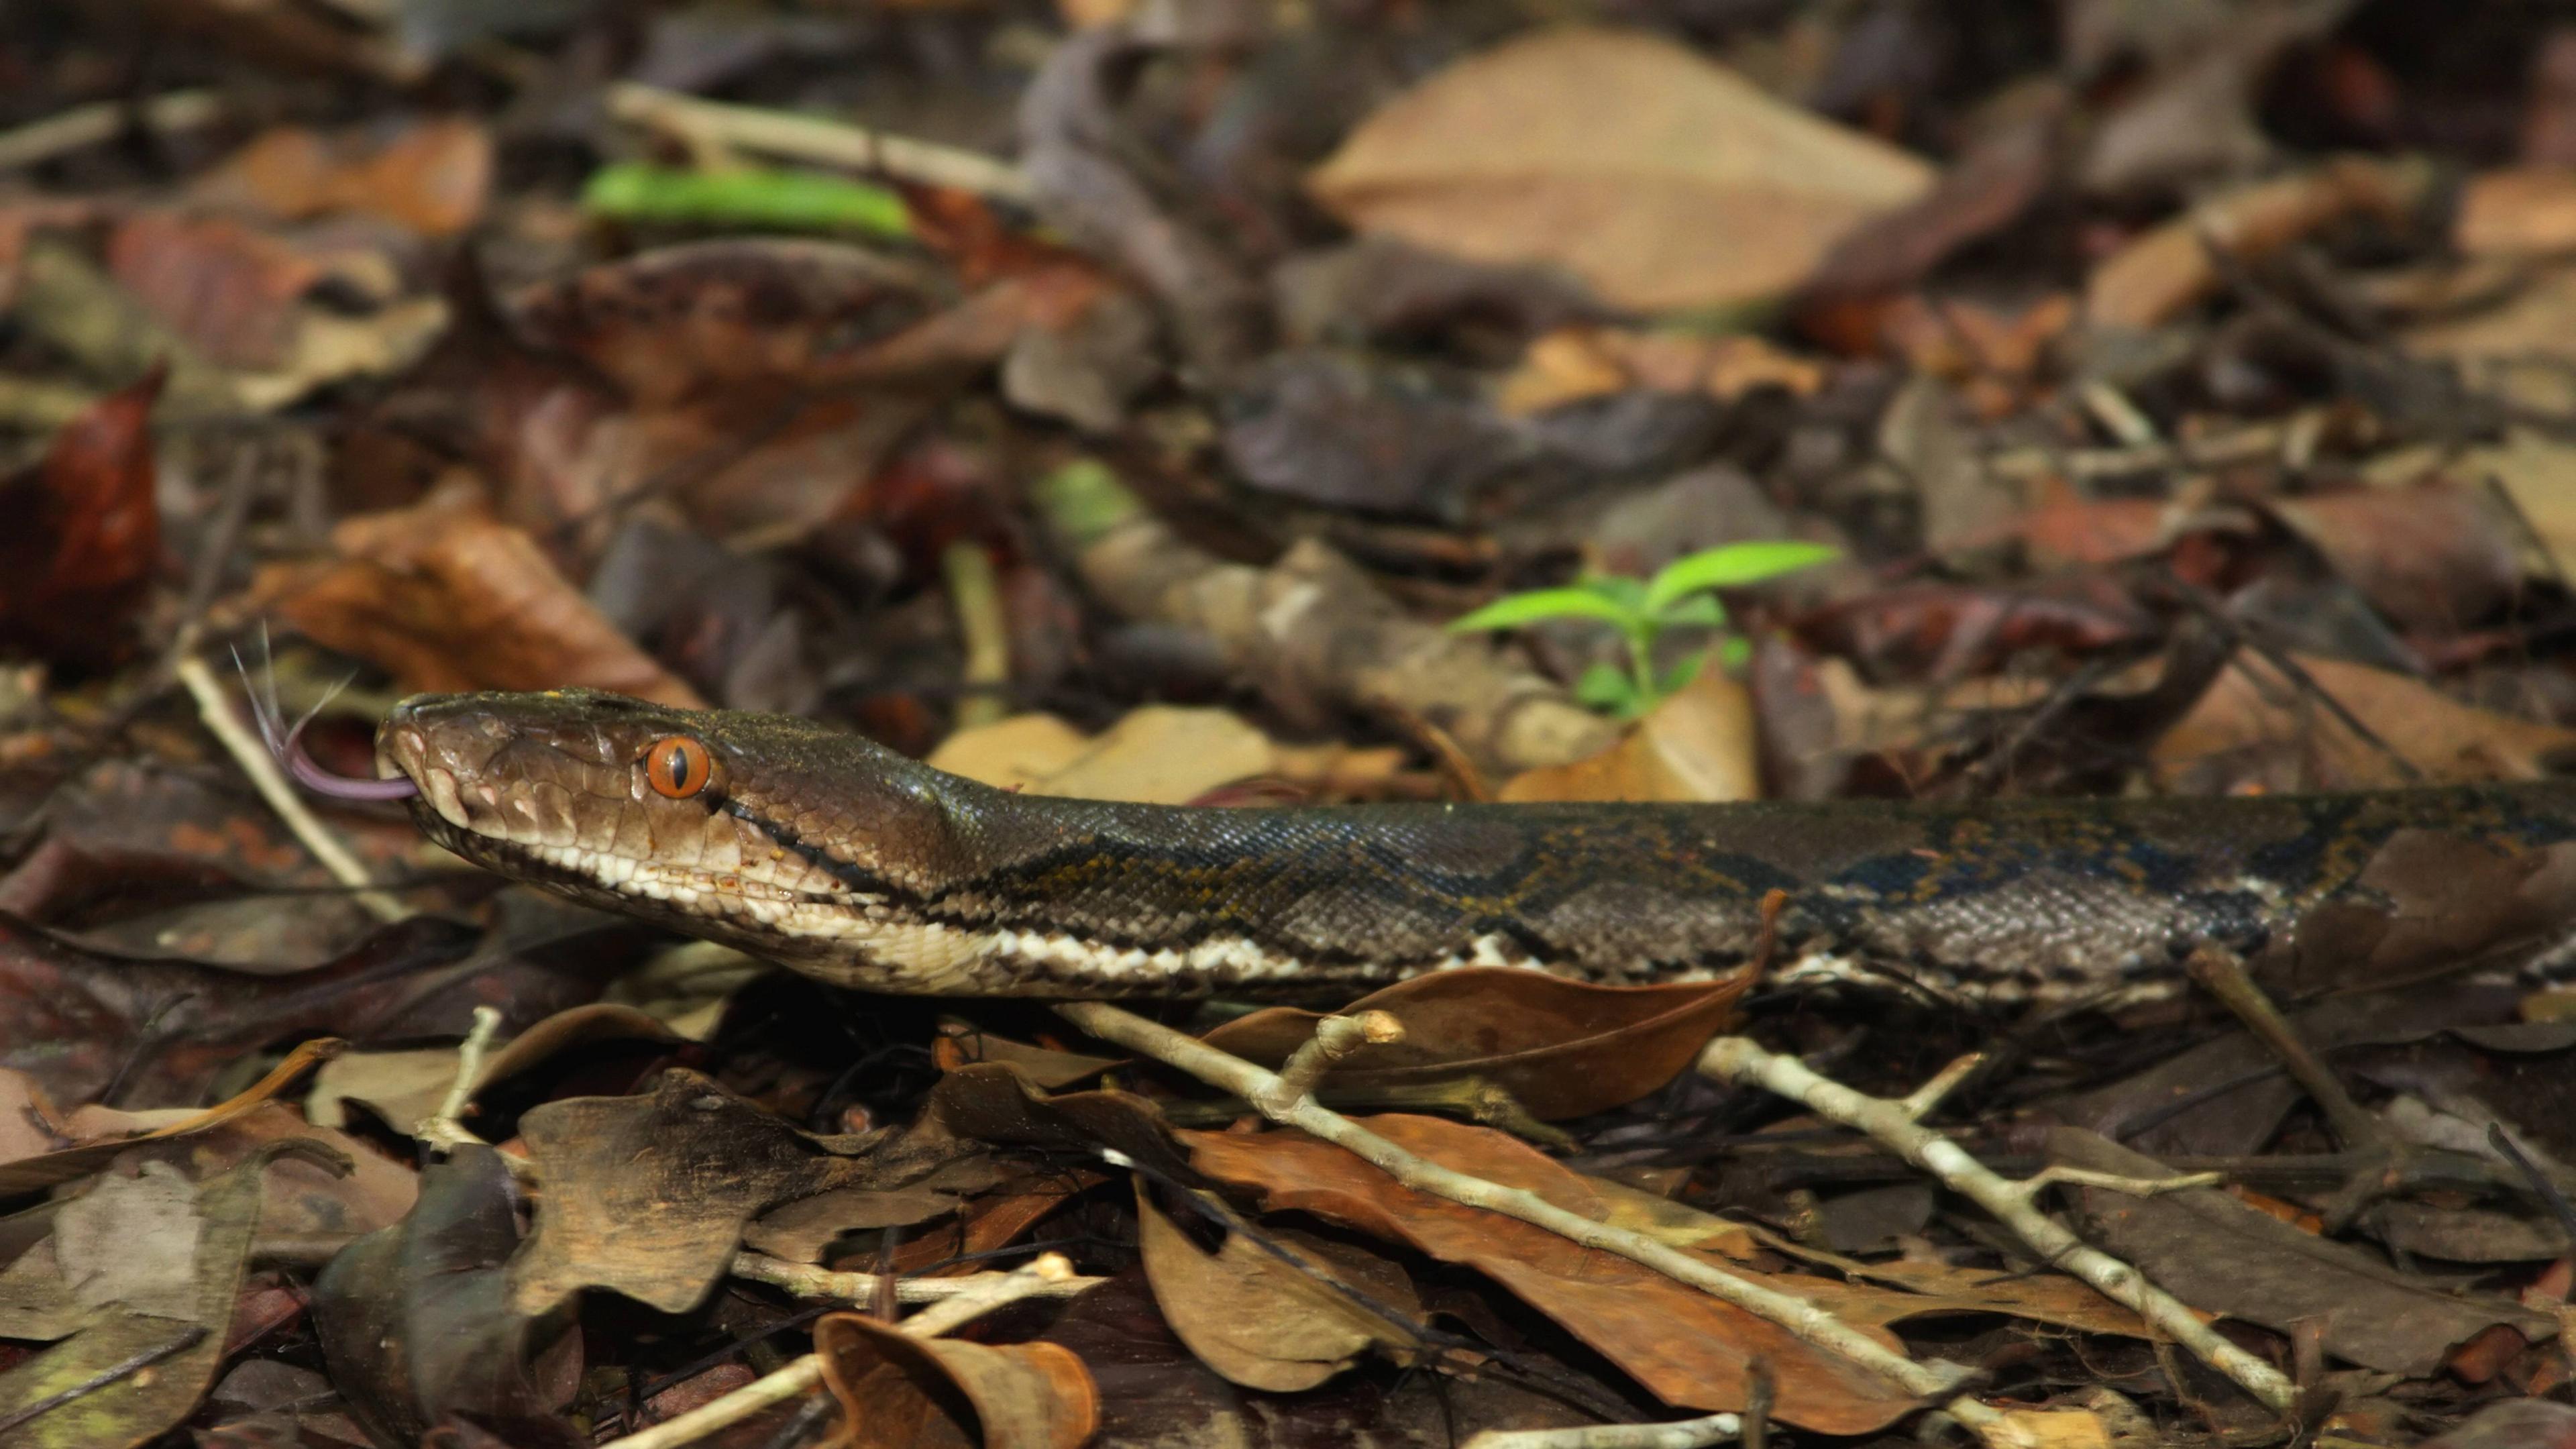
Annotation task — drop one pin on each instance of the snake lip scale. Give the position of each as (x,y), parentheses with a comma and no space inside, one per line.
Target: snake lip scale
(849,862)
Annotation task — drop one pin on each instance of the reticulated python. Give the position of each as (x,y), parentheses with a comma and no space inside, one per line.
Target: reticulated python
(846,861)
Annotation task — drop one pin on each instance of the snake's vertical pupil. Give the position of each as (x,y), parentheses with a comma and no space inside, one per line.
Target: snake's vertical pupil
(677,767)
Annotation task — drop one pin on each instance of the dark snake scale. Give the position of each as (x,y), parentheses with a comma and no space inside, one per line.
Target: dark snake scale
(843,860)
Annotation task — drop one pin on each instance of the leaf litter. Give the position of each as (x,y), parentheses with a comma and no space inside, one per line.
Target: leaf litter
(1114,403)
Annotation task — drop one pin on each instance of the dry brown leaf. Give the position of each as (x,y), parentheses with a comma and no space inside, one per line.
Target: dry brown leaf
(302,1201)
(1660,178)
(34,1174)
(433,179)
(963,1043)
(445,598)
(1160,754)
(2169,268)
(234,293)
(2519,348)
(2517,211)
(1573,363)
(1263,1323)
(1697,746)
(942,1394)
(2429,556)
(2538,473)
(1690,1349)
(648,1194)
(1561,1048)
(2253,709)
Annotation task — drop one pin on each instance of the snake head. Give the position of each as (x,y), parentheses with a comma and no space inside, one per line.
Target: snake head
(716,823)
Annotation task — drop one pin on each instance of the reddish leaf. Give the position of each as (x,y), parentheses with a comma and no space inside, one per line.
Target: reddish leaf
(84,537)
(230,291)
(1562,1048)
(448,599)
(1689,1348)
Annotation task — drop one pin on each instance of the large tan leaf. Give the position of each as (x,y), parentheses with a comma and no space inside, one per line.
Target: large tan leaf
(1660,178)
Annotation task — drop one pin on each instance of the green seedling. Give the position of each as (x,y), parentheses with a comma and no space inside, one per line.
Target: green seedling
(751,196)
(1679,596)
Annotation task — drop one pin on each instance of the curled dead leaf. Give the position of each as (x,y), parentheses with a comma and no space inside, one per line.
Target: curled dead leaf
(1264,1323)
(1695,747)
(901,1391)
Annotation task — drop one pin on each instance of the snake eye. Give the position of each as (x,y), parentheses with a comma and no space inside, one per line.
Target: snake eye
(678,767)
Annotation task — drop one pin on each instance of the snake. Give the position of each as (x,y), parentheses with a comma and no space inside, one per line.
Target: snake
(836,857)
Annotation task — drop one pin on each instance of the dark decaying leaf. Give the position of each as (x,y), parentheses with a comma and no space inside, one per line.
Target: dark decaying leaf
(1265,1323)
(416,1321)
(899,1392)
(128,1376)
(2226,1098)
(84,534)
(2221,1256)
(800,1231)
(647,1195)
(1561,1048)
(2516,1424)
(1690,1349)
(992,1103)
(80,1020)
(52,1169)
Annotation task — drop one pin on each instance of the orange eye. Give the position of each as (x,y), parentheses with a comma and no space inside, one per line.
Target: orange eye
(678,767)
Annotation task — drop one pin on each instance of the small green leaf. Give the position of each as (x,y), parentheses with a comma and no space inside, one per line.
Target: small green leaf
(1695,609)
(1628,593)
(1608,688)
(1731,564)
(1683,672)
(1575,602)
(799,200)
(1735,652)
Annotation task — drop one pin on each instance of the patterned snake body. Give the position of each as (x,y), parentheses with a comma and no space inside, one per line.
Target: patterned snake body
(854,864)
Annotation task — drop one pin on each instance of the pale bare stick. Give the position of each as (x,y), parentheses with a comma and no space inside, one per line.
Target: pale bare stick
(83,126)
(1335,1038)
(813,138)
(1737,1061)
(975,591)
(806,1280)
(806,1374)
(444,1130)
(1678,1434)
(215,707)
(1263,1089)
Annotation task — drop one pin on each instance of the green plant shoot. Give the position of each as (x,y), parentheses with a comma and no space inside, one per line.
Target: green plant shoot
(1680,595)
(751,196)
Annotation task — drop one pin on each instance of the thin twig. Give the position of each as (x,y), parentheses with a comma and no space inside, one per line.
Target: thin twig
(2223,975)
(976,595)
(187,1338)
(812,138)
(216,709)
(805,1374)
(444,1130)
(1335,1037)
(806,1280)
(1262,1089)
(1679,1434)
(1740,1062)
(83,126)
